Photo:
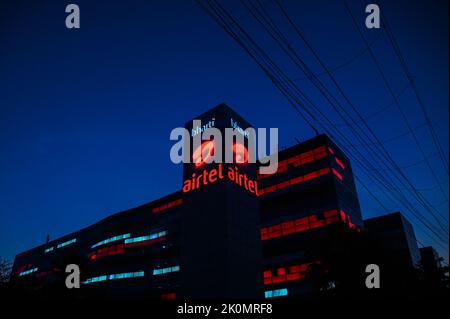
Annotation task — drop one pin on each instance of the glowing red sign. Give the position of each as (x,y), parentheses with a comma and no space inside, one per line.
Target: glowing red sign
(205,152)
(213,175)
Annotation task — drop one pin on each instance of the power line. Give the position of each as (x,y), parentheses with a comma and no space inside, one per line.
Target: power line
(349,61)
(381,109)
(393,138)
(411,80)
(323,89)
(227,27)
(388,86)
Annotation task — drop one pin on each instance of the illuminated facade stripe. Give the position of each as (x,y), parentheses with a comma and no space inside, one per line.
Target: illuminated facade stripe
(112,239)
(49,249)
(144,238)
(276,293)
(114,277)
(299,225)
(66,243)
(161,271)
(295,180)
(284,274)
(337,174)
(169,295)
(128,243)
(298,160)
(27,272)
(168,205)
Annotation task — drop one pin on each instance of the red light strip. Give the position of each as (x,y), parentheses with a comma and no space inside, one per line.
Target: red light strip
(307,223)
(299,225)
(168,205)
(170,295)
(293,181)
(337,174)
(120,249)
(337,160)
(298,160)
(283,274)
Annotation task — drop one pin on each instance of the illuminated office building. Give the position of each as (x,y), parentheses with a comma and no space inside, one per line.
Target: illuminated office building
(229,232)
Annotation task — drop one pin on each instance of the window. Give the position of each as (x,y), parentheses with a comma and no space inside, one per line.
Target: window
(112,239)
(299,225)
(27,272)
(49,249)
(283,274)
(168,205)
(114,277)
(294,181)
(298,160)
(160,271)
(66,243)
(145,238)
(276,293)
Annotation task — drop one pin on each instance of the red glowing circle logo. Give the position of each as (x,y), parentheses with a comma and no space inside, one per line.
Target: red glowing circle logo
(240,153)
(203,153)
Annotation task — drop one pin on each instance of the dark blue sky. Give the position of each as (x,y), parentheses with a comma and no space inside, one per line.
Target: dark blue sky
(85,115)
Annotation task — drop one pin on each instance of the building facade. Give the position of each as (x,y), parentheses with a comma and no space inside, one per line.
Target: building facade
(230,232)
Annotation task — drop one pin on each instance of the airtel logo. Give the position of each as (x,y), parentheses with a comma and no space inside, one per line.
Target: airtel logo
(205,152)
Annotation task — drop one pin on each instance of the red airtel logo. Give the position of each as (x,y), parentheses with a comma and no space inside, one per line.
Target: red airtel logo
(205,152)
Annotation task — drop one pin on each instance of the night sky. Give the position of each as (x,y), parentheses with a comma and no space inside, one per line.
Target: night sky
(85,115)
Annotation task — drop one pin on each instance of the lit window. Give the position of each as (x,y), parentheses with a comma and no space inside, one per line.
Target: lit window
(160,271)
(66,243)
(276,293)
(49,249)
(112,239)
(144,238)
(114,277)
(27,272)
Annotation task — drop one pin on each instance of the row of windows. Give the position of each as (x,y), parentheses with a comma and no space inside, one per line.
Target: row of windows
(112,239)
(170,295)
(144,238)
(22,269)
(129,242)
(339,163)
(114,276)
(337,174)
(49,249)
(276,293)
(27,272)
(161,271)
(299,225)
(283,274)
(294,181)
(298,160)
(168,205)
(66,243)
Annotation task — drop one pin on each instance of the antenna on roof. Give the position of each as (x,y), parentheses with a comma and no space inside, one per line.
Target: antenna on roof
(298,141)
(47,239)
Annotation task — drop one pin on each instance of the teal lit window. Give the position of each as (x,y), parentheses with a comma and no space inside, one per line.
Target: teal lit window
(109,240)
(160,271)
(114,276)
(49,249)
(276,293)
(144,238)
(66,243)
(27,272)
